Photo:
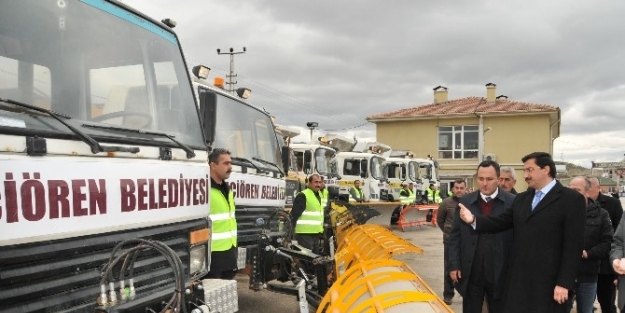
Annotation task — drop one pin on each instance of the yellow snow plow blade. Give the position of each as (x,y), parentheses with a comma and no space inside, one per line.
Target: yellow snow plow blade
(369,280)
(378,286)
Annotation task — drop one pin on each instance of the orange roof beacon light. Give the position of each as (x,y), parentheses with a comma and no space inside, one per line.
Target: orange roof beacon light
(219,82)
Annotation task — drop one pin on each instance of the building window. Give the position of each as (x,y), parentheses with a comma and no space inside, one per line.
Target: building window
(458,142)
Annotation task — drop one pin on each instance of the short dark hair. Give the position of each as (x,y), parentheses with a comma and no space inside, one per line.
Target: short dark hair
(489,163)
(460,181)
(542,159)
(216,154)
(310,178)
(357,180)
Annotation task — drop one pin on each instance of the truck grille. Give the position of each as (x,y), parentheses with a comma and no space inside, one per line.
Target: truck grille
(64,275)
(248,229)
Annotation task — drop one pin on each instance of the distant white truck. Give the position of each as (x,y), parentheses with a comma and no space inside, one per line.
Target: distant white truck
(401,167)
(360,161)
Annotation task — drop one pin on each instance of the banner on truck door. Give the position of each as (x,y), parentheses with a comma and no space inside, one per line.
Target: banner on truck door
(254,190)
(43,199)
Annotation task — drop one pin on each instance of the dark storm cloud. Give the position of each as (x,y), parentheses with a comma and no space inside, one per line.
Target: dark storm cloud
(337,62)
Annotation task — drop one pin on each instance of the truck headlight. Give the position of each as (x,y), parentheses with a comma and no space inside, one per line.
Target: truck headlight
(197,259)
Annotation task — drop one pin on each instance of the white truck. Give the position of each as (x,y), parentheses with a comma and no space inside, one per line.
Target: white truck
(313,158)
(258,171)
(104,196)
(401,167)
(360,161)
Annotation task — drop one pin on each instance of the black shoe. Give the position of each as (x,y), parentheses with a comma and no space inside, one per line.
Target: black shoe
(447,301)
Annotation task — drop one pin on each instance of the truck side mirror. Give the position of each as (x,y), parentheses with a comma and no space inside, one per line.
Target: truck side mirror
(363,168)
(208,114)
(307,162)
(285,153)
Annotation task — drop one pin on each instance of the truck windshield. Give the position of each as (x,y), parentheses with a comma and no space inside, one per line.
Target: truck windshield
(394,170)
(324,159)
(413,171)
(130,74)
(244,130)
(376,167)
(425,170)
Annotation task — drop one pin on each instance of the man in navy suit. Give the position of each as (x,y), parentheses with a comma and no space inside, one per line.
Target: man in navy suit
(548,221)
(478,261)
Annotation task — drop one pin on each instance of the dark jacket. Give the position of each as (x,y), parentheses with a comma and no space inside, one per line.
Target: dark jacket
(463,241)
(618,252)
(615,211)
(548,244)
(597,240)
(445,216)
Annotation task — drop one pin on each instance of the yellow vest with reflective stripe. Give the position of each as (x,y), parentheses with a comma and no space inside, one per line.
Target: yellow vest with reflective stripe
(434,196)
(323,194)
(412,196)
(358,191)
(311,221)
(404,199)
(224,224)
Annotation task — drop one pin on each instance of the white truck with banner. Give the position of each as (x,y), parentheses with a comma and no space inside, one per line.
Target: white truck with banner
(258,171)
(104,192)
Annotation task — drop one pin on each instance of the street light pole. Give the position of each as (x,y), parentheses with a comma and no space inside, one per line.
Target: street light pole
(232,75)
(312,126)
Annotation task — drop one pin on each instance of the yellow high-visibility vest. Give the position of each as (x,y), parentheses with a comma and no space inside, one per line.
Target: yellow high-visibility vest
(224,223)
(311,221)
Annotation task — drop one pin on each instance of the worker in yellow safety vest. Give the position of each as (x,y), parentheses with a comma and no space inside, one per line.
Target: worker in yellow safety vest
(413,196)
(323,193)
(404,195)
(356,194)
(434,195)
(307,216)
(224,251)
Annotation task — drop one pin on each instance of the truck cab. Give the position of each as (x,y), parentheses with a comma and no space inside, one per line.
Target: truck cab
(95,161)
(311,158)
(258,173)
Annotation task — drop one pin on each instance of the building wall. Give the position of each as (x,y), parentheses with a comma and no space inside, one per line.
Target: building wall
(510,138)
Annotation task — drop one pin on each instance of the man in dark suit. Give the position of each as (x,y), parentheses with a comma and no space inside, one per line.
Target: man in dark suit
(606,290)
(547,219)
(478,261)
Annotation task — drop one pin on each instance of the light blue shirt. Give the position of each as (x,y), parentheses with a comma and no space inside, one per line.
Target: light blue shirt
(547,188)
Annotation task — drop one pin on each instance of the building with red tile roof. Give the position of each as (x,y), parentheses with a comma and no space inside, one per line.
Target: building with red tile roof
(460,133)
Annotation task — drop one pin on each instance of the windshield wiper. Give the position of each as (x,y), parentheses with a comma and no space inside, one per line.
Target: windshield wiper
(268,163)
(189,151)
(248,161)
(95,146)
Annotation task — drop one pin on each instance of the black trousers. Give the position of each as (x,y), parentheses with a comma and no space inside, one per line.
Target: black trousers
(223,264)
(606,292)
(482,279)
(311,242)
(448,291)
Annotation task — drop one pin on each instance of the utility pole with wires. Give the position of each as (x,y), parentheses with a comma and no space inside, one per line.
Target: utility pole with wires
(232,75)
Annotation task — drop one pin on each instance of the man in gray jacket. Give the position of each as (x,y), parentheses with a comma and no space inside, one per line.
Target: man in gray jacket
(445,221)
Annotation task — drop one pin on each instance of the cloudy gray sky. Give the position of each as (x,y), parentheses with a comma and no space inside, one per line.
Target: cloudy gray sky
(336,62)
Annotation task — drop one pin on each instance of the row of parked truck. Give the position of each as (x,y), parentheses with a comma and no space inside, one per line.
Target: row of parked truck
(381,170)
(104,180)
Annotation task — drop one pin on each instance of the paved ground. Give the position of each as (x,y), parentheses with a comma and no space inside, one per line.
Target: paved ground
(428,265)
